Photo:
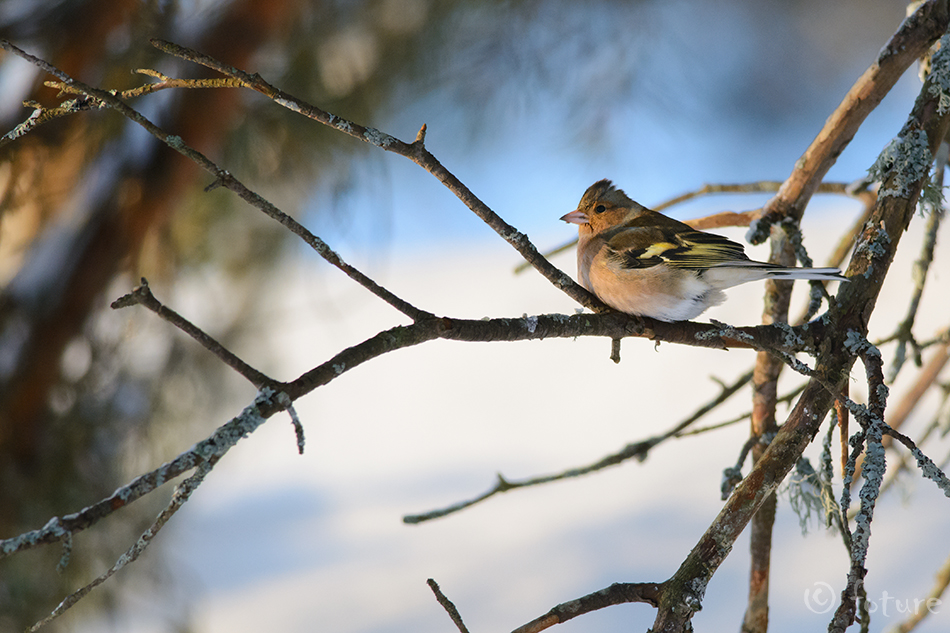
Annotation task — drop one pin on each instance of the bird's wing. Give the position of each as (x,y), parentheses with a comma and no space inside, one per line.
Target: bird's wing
(647,242)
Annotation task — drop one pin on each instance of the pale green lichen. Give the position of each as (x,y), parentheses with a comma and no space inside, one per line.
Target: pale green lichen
(290,105)
(380,139)
(531,322)
(792,339)
(931,196)
(857,344)
(725,331)
(882,391)
(236,429)
(695,592)
(939,75)
(810,495)
(873,473)
(931,471)
(904,162)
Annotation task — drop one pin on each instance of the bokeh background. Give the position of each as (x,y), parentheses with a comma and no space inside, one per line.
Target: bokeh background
(528,103)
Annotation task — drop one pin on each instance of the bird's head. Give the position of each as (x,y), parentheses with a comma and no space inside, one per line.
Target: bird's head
(601,207)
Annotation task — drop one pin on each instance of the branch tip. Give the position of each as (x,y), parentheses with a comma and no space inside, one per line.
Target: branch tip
(138,296)
(447,605)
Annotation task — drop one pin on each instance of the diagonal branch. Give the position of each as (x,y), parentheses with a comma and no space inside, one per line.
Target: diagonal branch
(182,493)
(617,593)
(415,151)
(59,529)
(635,450)
(269,402)
(903,180)
(142,295)
(448,606)
(911,40)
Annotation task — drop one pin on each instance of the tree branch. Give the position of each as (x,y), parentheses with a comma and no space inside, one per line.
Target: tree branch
(911,40)
(764,425)
(448,606)
(142,295)
(680,596)
(225,179)
(59,529)
(635,450)
(182,493)
(617,593)
(848,318)
(415,151)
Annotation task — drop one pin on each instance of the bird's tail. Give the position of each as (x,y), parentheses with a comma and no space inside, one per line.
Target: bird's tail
(742,271)
(821,274)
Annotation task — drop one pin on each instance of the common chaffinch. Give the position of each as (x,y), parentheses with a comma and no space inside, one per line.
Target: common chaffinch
(639,261)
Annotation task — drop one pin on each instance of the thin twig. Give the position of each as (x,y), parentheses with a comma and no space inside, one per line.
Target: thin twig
(447,605)
(43,115)
(142,295)
(182,494)
(905,330)
(902,463)
(925,379)
(220,442)
(788,397)
(874,428)
(617,593)
(298,427)
(636,450)
(872,421)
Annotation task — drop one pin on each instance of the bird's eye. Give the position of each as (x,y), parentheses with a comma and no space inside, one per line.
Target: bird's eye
(600,208)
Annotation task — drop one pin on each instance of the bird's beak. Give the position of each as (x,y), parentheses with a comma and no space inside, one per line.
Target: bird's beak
(576,217)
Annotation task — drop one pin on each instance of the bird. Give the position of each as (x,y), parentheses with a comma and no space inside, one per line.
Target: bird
(644,263)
